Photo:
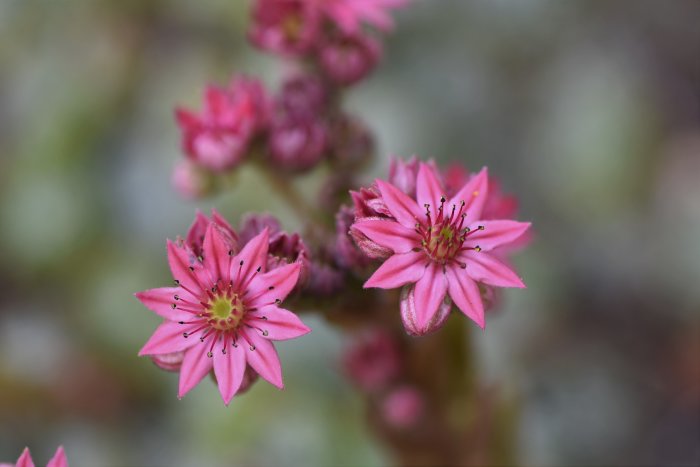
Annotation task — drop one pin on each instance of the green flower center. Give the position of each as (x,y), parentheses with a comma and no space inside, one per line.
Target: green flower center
(225,312)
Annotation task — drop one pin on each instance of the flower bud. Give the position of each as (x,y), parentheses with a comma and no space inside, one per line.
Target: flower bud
(169,361)
(407,304)
(346,59)
(372,361)
(297,144)
(403,408)
(196,232)
(347,253)
(191,181)
(303,95)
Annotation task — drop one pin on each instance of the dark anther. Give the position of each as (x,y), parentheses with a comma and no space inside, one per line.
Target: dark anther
(173,306)
(271,287)
(259,269)
(252,347)
(181,322)
(176,297)
(185,335)
(191,268)
(241,263)
(209,354)
(177,282)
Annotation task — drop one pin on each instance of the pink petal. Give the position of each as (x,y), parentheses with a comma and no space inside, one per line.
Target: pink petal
(389,234)
(280,324)
(195,234)
(25,460)
(229,369)
(169,338)
(403,208)
(263,357)
(161,302)
(429,292)
(58,459)
(398,270)
(186,119)
(182,265)
(252,256)
(429,190)
(483,267)
(216,254)
(195,366)
(474,195)
(495,233)
(264,289)
(465,293)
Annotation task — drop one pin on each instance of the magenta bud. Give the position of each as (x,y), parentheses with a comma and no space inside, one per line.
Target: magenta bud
(403,408)
(347,252)
(372,361)
(407,304)
(296,144)
(346,59)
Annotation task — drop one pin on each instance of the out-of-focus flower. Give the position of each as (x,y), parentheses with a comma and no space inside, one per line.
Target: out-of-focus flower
(286,27)
(223,313)
(192,181)
(297,144)
(441,247)
(324,279)
(346,59)
(352,144)
(219,136)
(198,230)
(403,407)
(253,223)
(25,459)
(348,15)
(403,174)
(372,361)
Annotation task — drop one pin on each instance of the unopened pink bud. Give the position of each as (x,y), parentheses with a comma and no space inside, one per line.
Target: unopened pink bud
(373,361)
(409,313)
(191,181)
(347,59)
(286,27)
(403,408)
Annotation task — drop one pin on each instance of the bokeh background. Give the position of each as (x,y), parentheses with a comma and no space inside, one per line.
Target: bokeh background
(588,110)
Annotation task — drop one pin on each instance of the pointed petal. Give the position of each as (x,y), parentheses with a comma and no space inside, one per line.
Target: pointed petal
(398,270)
(161,301)
(25,459)
(195,366)
(195,234)
(429,190)
(495,233)
(483,267)
(465,294)
(429,292)
(58,459)
(185,119)
(263,357)
(252,256)
(229,369)
(279,325)
(273,285)
(168,338)
(473,193)
(403,208)
(182,264)
(389,234)
(217,254)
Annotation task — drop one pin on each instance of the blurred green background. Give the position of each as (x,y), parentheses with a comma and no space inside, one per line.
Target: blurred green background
(588,110)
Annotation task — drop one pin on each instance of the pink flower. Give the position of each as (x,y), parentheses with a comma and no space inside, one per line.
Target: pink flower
(373,361)
(219,136)
(440,248)
(348,15)
(223,312)
(287,27)
(346,59)
(25,459)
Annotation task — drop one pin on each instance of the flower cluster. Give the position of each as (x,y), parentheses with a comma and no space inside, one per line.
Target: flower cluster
(440,237)
(300,126)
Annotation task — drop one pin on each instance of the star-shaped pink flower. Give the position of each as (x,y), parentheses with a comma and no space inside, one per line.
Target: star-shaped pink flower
(440,249)
(224,312)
